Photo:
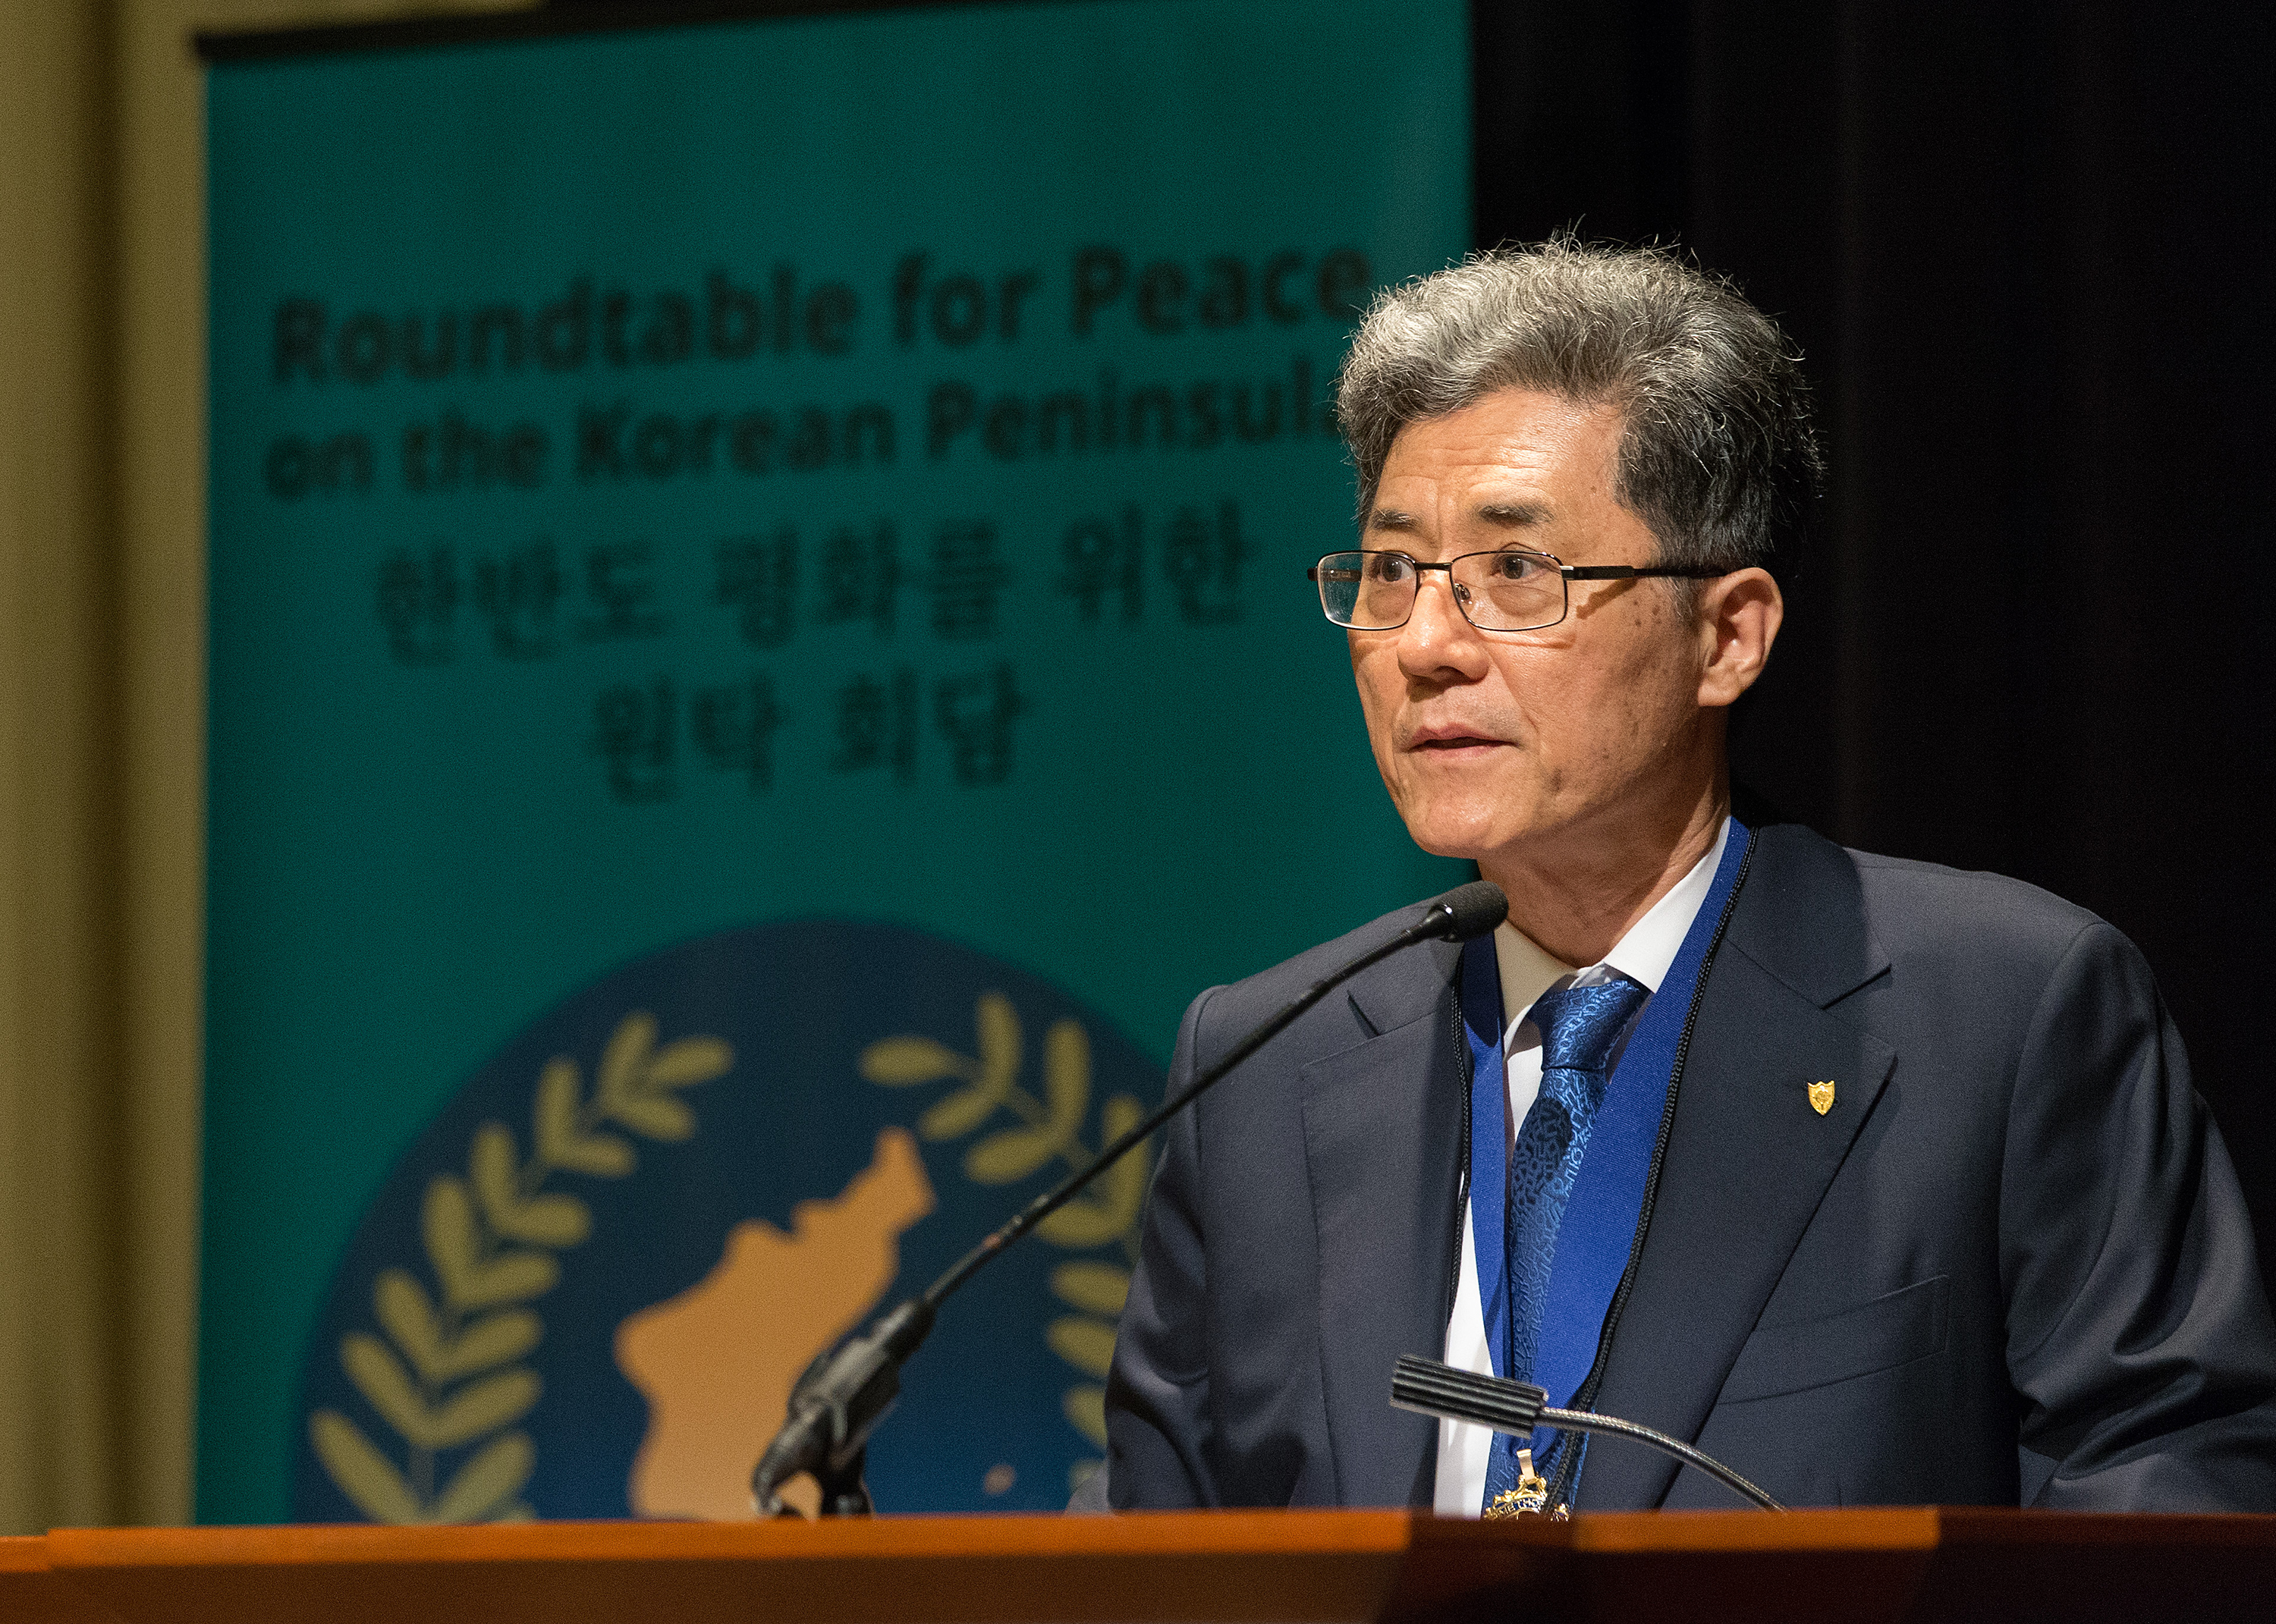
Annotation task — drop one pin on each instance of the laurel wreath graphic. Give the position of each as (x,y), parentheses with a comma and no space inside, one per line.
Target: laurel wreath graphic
(1049,1129)
(448,1375)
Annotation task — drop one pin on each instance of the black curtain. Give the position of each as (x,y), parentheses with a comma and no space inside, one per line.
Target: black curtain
(2027,252)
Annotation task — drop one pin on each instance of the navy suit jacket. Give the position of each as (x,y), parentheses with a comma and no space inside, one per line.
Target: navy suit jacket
(2010,1264)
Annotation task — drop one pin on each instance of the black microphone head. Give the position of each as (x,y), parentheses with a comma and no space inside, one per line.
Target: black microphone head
(1472,910)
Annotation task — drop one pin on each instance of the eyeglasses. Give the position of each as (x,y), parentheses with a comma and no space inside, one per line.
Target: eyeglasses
(1505,591)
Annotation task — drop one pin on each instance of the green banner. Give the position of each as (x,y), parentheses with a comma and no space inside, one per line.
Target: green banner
(760,656)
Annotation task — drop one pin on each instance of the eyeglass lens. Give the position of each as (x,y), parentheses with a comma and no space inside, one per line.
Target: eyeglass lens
(1497,591)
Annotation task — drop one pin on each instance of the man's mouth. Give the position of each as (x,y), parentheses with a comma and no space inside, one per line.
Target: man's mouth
(1452,741)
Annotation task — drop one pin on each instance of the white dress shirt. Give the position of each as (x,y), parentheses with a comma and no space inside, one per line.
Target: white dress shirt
(1643,955)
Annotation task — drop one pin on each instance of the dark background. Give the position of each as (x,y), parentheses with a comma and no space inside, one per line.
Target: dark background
(2027,253)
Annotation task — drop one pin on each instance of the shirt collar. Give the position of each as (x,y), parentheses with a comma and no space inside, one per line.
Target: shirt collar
(1643,955)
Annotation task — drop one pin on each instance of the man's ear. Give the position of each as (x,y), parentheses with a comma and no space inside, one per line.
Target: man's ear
(1738,619)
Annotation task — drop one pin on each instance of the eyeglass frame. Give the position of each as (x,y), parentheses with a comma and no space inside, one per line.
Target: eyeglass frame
(1566,573)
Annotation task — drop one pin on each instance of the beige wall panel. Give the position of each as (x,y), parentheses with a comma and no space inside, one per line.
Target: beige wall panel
(61,1194)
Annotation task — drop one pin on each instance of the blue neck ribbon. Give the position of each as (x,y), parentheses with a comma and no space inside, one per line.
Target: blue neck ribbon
(1598,1228)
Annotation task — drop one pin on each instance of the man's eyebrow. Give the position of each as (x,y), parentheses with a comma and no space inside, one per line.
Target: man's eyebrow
(1513,514)
(1390,519)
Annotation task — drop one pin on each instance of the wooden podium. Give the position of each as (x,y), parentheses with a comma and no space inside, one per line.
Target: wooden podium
(1240,1567)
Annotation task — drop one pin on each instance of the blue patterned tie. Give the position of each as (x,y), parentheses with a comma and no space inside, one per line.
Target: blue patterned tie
(1578,1027)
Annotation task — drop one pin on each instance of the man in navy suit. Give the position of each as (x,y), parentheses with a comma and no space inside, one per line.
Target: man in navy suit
(1879,1181)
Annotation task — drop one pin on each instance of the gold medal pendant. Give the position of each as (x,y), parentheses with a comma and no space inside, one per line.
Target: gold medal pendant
(1525,1500)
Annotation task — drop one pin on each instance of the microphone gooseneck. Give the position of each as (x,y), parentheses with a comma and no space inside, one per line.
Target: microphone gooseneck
(845,1392)
(1430,1388)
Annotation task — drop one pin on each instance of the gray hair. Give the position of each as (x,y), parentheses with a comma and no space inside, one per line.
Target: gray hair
(1717,452)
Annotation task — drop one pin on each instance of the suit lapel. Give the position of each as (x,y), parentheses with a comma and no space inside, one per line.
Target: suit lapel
(1748,1155)
(1382,1127)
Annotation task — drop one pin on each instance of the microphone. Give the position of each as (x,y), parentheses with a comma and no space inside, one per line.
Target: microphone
(1468,912)
(1429,1388)
(847,1390)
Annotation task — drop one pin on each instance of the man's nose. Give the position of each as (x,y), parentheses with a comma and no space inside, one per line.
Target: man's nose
(1437,634)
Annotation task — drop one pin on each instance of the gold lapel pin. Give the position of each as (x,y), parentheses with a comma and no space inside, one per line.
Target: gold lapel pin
(1821,1096)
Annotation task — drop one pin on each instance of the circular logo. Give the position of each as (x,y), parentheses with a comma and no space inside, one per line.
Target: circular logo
(587,1288)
